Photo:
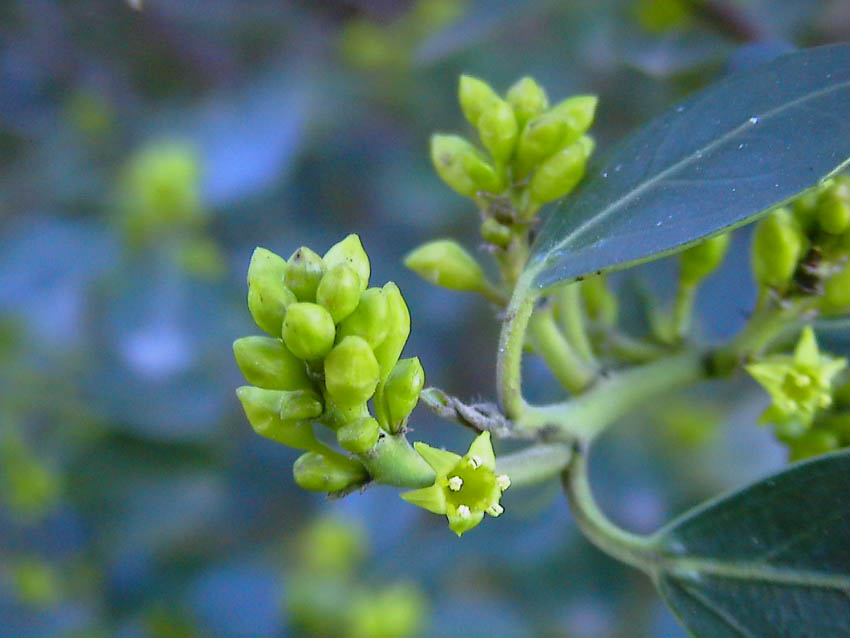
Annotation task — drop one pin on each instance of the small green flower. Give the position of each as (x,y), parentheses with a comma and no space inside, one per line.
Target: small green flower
(800,384)
(466,486)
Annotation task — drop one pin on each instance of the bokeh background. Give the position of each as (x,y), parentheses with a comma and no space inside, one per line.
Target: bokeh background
(145,153)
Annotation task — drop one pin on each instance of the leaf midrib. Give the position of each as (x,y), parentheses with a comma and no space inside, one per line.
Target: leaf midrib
(686,568)
(693,156)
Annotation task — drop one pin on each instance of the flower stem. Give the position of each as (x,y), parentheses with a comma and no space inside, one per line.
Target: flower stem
(585,416)
(571,314)
(535,464)
(561,358)
(632,549)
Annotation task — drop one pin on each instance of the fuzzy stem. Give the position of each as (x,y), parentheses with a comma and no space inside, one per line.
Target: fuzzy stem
(571,314)
(683,307)
(632,549)
(535,464)
(548,341)
(587,415)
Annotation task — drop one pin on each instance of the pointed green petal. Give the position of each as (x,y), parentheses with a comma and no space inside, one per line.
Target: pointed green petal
(441,461)
(806,353)
(459,524)
(831,367)
(483,449)
(430,498)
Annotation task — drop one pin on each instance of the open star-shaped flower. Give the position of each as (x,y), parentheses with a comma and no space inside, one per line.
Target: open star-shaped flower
(799,384)
(466,486)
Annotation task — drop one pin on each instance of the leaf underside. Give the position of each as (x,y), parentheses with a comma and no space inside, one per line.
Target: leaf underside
(717,160)
(770,560)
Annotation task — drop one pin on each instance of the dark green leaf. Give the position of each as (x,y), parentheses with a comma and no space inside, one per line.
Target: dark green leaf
(770,560)
(715,161)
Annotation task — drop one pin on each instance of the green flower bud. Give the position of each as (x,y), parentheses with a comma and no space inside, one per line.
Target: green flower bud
(339,291)
(461,166)
(445,263)
(778,244)
(805,209)
(282,416)
(369,319)
(498,130)
(267,363)
(812,443)
(542,136)
(268,297)
(304,271)
(359,436)
(600,302)
(308,331)
(465,488)
(351,372)
(837,289)
(528,99)
(834,215)
(398,330)
(578,112)
(350,252)
(495,233)
(697,262)
(397,610)
(398,395)
(322,472)
(475,97)
(559,174)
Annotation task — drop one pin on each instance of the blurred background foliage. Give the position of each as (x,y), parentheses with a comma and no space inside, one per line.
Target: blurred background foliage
(144,154)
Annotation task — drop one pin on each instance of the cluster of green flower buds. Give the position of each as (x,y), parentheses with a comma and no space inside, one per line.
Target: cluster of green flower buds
(534,153)
(801,388)
(334,345)
(803,249)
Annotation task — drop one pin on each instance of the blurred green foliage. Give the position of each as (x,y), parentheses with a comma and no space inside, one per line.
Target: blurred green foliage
(134,499)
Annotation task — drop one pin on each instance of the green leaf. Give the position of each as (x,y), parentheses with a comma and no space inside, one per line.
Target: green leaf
(715,161)
(770,560)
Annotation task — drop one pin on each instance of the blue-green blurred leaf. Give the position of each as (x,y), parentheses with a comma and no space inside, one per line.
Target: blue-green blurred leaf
(718,159)
(770,560)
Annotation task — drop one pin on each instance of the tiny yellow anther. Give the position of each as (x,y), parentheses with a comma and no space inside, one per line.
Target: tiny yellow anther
(475,461)
(455,483)
(503,481)
(463,511)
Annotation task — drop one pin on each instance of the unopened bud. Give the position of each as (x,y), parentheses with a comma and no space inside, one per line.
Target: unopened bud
(268,363)
(812,443)
(308,331)
(528,99)
(351,372)
(321,472)
(498,130)
(339,292)
(445,263)
(398,330)
(578,112)
(369,319)
(350,252)
(280,415)
(697,262)
(834,215)
(559,174)
(600,302)
(304,271)
(399,394)
(359,436)
(495,233)
(778,244)
(541,137)
(836,290)
(268,296)
(461,166)
(475,97)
